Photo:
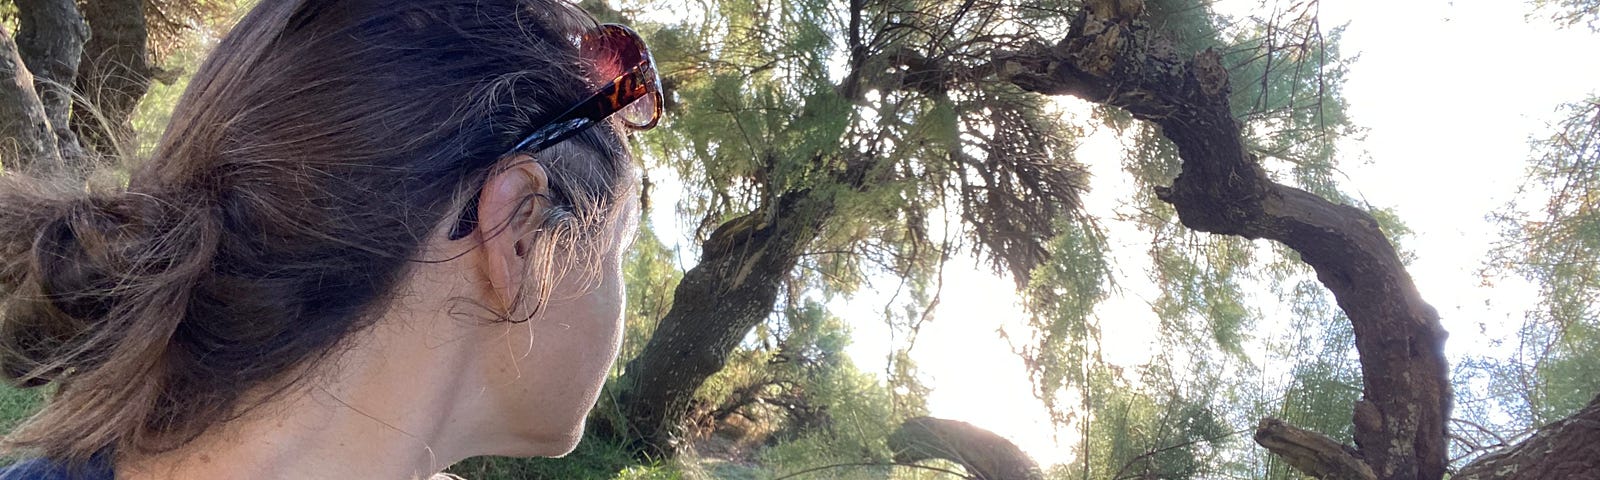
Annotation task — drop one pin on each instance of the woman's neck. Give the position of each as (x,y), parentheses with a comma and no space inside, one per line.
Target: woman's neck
(390,407)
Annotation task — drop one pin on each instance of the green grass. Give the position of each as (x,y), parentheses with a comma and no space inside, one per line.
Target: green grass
(16,405)
(594,458)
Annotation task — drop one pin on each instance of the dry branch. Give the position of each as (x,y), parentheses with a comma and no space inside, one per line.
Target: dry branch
(1311,452)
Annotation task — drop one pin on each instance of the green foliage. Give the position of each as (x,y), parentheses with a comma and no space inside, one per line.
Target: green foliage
(802,372)
(1286,74)
(1551,237)
(595,458)
(175,25)
(828,100)
(651,273)
(15,406)
(1202,304)
(1206,288)
(1133,434)
(8,17)
(638,472)
(155,109)
(794,397)
(1062,297)
(1321,384)
(1325,380)
(773,100)
(766,109)
(753,108)
(1190,26)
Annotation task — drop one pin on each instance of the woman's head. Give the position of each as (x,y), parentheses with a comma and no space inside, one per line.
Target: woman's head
(320,157)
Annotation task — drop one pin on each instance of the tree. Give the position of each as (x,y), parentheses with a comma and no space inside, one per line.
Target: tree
(25,122)
(968,77)
(827,173)
(55,59)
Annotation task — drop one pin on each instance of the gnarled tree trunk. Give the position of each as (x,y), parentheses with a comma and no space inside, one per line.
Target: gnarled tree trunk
(50,38)
(71,81)
(1400,421)
(26,140)
(114,74)
(717,303)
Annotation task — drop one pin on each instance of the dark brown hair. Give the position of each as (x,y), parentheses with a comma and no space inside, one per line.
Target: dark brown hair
(315,150)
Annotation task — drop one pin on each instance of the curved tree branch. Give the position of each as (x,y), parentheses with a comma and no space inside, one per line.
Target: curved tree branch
(982,453)
(1400,423)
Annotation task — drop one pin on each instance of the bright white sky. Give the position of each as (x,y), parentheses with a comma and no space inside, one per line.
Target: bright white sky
(1451,92)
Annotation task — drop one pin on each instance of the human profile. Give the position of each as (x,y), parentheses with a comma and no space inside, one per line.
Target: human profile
(376,238)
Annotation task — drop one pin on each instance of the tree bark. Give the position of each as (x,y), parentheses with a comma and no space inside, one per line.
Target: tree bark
(985,455)
(1568,449)
(113,76)
(733,288)
(1400,422)
(29,142)
(50,39)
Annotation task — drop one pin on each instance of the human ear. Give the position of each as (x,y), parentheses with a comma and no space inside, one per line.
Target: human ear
(511,208)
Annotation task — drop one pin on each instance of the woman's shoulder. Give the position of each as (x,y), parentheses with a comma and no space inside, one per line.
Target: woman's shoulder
(43,469)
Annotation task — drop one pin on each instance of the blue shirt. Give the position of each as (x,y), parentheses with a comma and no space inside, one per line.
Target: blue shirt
(42,469)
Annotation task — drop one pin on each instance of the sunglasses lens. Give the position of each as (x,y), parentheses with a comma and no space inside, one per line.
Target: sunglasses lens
(613,50)
(617,51)
(642,112)
(628,46)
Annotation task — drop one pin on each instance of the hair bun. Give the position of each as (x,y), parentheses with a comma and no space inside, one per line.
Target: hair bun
(76,269)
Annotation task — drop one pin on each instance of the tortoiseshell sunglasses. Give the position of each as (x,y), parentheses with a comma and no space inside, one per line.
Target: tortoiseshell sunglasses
(633,95)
